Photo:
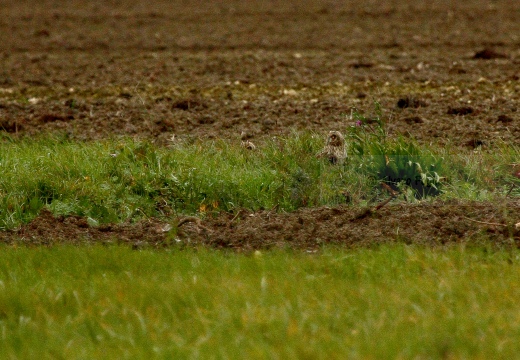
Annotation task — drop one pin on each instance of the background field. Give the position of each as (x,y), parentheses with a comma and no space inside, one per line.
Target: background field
(153,69)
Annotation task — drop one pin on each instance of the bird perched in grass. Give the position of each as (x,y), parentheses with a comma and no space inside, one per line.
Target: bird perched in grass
(246,143)
(334,149)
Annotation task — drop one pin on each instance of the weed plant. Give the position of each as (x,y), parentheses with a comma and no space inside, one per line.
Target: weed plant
(399,162)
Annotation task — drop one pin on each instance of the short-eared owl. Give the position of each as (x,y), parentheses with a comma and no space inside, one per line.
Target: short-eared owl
(245,142)
(334,149)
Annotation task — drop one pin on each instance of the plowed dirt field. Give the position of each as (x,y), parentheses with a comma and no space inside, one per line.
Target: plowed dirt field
(444,72)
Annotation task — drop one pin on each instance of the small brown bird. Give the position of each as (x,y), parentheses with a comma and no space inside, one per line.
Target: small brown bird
(246,143)
(334,149)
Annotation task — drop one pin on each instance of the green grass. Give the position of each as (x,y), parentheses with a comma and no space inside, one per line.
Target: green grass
(116,180)
(388,302)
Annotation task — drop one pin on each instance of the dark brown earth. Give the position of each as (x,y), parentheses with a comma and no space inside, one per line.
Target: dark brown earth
(307,229)
(443,72)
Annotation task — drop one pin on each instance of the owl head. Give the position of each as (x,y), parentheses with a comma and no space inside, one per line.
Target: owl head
(335,138)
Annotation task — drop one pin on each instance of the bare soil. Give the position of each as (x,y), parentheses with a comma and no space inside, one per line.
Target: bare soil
(305,229)
(444,72)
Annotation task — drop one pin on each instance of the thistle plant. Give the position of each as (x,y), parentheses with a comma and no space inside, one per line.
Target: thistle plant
(398,162)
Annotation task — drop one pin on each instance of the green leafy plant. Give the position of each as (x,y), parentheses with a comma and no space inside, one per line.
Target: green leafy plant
(398,162)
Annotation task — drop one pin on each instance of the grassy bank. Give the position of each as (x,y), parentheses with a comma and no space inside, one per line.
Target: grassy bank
(112,181)
(389,302)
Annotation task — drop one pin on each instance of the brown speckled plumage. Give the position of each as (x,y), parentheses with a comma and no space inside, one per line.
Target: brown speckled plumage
(247,144)
(334,149)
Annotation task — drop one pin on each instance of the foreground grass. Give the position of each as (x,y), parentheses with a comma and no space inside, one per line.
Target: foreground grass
(116,180)
(398,301)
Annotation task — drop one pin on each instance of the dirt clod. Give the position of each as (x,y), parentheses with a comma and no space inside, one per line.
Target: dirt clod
(47,118)
(488,54)
(504,119)
(410,102)
(460,111)
(414,120)
(10,126)
(475,143)
(189,104)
